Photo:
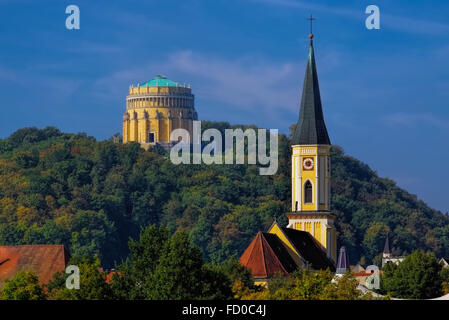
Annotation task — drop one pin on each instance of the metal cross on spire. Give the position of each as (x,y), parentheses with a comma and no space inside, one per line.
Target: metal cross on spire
(311,26)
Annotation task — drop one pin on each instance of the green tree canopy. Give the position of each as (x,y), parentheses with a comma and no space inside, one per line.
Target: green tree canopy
(92,286)
(416,277)
(162,267)
(93,196)
(23,286)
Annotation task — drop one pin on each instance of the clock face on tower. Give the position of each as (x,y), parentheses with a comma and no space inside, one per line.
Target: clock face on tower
(307,163)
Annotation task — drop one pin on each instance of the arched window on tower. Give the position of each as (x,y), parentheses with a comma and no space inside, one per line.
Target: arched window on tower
(308,192)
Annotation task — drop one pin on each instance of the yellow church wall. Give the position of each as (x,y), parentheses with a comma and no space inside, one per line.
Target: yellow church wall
(296,179)
(290,249)
(298,226)
(317,232)
(318,229)
(308,227)
(319,176)
(323,235)
(317,226)
(334,245)
(275,230)
(308,175)
(293,171)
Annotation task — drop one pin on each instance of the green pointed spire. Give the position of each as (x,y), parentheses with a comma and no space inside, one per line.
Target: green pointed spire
(311,128)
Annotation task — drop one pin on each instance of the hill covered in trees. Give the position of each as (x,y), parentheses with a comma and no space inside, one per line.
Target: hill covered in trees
(94,195)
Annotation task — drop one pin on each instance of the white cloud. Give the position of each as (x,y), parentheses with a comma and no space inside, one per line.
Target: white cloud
(245,82)
(248,83)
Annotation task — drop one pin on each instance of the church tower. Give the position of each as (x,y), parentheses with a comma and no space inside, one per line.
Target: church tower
(311,177)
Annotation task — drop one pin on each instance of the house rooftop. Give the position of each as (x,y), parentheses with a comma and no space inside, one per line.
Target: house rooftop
(42,259)
(266,256)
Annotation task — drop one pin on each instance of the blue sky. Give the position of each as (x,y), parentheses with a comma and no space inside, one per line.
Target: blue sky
(385,92)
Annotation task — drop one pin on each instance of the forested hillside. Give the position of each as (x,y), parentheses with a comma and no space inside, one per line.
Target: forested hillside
(94,195)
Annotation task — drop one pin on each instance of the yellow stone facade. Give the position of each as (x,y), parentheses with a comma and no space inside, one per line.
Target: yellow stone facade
(311,195)
(156,108)
(311,166)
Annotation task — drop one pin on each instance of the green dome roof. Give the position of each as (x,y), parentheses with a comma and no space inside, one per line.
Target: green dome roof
(159,81)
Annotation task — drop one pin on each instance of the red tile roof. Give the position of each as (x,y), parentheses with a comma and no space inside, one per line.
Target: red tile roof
(110,275)
(42,259)
(364,273)
(267,256)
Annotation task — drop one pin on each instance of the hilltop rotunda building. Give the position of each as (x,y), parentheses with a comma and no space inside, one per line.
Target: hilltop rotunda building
(154,109)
